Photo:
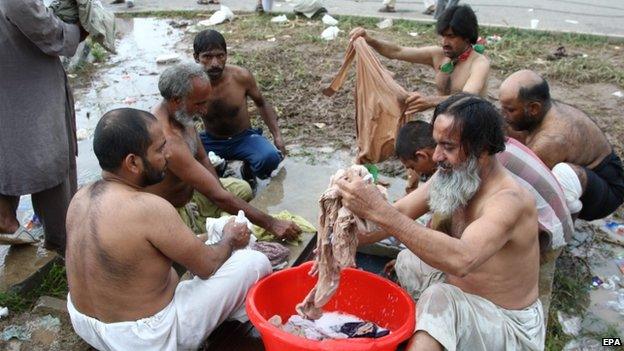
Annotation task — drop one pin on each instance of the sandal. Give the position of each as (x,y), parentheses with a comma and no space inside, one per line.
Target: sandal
(20,236)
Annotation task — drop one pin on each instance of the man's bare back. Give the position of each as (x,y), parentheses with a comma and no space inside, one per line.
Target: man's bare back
(568,130)
(114,272)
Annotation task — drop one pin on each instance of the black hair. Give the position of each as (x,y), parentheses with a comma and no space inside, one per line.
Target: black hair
(121,132)
(414,136)
(208,39)
(462,21)
(479,122)
(539,92)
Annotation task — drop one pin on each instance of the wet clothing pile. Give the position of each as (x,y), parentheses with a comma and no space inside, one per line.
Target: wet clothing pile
(331,325)
(336,244)
(275,252)
(379,103)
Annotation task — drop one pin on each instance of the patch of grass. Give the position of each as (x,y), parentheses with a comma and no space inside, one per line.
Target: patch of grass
(54,284)
(163,14)
(99,53)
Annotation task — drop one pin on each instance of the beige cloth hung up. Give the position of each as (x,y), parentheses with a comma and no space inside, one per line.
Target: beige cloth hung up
(379,103)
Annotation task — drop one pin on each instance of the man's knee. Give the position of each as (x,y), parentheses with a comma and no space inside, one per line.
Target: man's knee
(266,162)
(254,265)
(238,187)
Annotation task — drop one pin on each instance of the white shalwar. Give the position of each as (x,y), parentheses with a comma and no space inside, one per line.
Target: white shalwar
(197,308)
(463,321)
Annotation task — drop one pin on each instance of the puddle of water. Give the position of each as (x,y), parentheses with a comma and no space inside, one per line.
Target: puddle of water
(298,185)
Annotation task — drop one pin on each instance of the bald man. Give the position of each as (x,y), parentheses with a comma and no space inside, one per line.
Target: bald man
(568,142)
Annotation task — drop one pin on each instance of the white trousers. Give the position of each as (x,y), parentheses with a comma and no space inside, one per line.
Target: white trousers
(197,308)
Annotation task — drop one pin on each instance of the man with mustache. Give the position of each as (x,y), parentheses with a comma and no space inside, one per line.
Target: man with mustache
(479,280)
(121,243)
(190,175)
(458,67)
(228,128)
(568,141)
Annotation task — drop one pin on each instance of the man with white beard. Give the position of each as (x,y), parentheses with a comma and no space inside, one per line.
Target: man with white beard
(191,179)
(479,279)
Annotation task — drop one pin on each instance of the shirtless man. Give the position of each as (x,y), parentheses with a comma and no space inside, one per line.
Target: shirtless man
(190,175)
(457,66)
(568,142)
(121,242)
(228,128)
(479,281)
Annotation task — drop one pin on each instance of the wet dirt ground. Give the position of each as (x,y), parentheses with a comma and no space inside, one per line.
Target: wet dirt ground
(291,77)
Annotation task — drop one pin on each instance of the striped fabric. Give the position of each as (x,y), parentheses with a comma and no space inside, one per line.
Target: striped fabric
(553,214)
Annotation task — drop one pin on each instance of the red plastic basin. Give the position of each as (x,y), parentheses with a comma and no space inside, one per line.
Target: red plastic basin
(360,293)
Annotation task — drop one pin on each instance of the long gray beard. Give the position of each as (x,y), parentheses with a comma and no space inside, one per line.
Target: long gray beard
(452,190)
(184,118)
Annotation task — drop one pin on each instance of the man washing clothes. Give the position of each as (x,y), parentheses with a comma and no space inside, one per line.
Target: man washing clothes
(568,141)
(458,67)
(122,241)
(190,176)
(228,128)
(476,284)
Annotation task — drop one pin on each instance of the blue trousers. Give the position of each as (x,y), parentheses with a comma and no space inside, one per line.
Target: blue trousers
(249,146)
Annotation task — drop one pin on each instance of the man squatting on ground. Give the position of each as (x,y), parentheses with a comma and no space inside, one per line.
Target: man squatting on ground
(568,142)
(228,128)
(457,66)
(121,242)
(478,282)
(190,176)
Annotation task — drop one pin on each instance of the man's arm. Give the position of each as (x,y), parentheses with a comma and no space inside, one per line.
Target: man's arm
(182,163)
(392,51)
(176,241)
(480,240)
(51,35)
(474,85)
(266,110)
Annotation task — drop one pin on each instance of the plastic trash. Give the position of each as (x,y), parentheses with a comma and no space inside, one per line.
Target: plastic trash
(215,159)
(279,19)
(129,100)
(167,58)
(329,20)
(619,262)
(618,94)
(19,332)
(387,23)
(534,23)
(570,325)
(571,21)
(617,304)
(4,311)
(271,39)
(612,283)
(493,39)
(319,125)
(267,5)
(82,134)
(596,281)
(330,33)
(413,34)
(220,16)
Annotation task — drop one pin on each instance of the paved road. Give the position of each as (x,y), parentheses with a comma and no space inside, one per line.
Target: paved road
(602,17)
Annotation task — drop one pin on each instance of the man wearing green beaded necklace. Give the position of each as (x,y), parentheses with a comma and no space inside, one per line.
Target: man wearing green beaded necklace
(459,66)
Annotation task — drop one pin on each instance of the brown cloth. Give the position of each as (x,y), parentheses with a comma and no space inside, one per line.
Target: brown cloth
(379,103)
(336,244)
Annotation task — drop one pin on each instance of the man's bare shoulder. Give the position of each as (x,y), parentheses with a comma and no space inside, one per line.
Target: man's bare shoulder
(512,196)
(482,60)
(148,207)
(240,74)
